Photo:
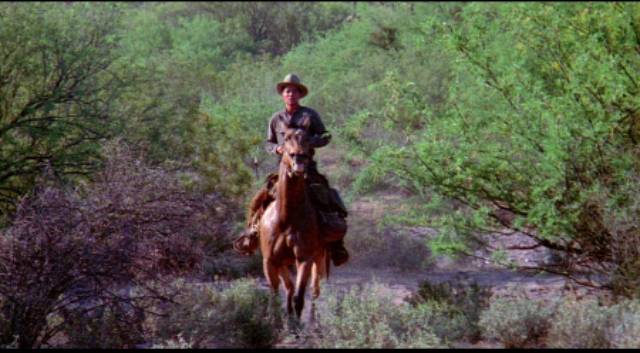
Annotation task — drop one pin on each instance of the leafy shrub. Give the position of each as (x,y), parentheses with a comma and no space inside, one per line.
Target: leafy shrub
(625,330)
(7,340)
(229,265)
(387,248)
(448,322)
(131,226)
(59,65)
(173,343)
(240,316)
(111,326)
(463,300)
(516,322)
(586,324)
(530,88)
(367,317)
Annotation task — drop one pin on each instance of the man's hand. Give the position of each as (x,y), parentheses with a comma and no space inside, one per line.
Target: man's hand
(279,149)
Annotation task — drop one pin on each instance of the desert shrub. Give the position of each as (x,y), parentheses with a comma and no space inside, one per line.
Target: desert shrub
(581,324)
(131,226)
(461,304)
(367,317)
(230,265)
(530,88)
(588,324)
(239,316)
(625,329)
(173,343)
(111,326)
(448,322)
(7,340)
(388,247)
(516,322)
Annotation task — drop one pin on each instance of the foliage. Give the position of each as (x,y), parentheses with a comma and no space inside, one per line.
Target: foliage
(517,322)
(517,117)
(239,316)
(367,317)
(59,91)
(111,326)
(276,27)
(625,331)
(132,226)
(388,247)
(588,324)
(534,87)
(466,302)
(581,324)
(173,343)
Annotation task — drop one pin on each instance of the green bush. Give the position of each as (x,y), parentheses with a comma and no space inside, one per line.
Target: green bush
(389,247)
(625,331)
(536,86)
(516,322)
(462,301)
(587,324)
(447,322)
(239,316)
(366,317)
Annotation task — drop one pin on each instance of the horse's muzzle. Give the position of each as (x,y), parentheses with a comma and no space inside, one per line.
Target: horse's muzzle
(297,169)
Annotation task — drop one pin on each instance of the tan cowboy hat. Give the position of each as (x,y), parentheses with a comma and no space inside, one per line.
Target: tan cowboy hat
(292,79)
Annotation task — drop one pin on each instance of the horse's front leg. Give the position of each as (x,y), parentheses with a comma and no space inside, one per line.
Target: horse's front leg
(288,284)
(302,279)
(271,273)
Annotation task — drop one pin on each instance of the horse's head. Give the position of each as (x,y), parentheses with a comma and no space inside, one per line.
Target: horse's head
(296,154)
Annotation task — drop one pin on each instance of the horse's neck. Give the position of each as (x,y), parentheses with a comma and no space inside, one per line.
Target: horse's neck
(291,197)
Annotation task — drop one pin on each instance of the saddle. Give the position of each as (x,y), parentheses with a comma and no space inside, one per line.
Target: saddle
(327,203)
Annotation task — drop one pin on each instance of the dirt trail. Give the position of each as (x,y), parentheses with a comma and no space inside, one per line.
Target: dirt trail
(375,252)
(403,284)
(400,261)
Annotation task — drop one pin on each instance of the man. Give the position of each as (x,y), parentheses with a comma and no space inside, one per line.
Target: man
(325,199)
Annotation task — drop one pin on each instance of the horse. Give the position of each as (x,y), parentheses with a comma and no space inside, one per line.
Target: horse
(289,230)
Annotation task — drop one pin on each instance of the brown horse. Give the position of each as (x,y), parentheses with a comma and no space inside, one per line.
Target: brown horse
(289,231)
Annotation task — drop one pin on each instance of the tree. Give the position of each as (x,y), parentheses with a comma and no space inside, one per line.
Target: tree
(539,136)
(58,92)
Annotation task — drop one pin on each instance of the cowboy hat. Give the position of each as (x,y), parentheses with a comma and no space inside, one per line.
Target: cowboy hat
(292,79)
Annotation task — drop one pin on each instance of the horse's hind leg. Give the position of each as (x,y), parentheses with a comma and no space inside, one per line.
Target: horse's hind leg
(288,284)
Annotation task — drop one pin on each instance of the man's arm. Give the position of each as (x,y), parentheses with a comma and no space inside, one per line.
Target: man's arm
(320,137)
(272,139)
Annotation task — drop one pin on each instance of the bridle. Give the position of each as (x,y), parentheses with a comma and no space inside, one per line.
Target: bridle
(294,158)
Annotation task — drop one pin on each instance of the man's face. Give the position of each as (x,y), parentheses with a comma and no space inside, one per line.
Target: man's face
(291,95)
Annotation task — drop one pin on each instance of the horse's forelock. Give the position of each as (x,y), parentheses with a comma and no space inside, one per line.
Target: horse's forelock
(299,134)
